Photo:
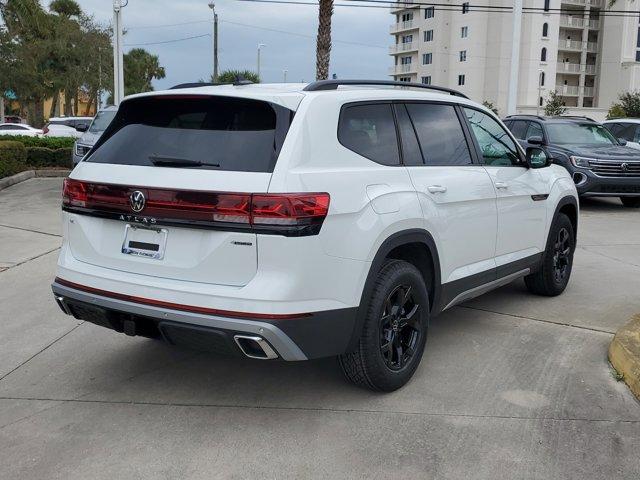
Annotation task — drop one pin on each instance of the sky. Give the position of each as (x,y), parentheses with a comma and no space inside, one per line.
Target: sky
(360,38)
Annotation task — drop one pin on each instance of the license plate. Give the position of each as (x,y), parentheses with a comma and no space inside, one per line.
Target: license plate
(144,242)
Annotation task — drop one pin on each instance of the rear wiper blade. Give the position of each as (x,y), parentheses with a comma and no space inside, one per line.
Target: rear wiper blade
(163,161)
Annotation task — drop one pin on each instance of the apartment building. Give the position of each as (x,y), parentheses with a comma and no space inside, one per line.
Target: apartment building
(586,57)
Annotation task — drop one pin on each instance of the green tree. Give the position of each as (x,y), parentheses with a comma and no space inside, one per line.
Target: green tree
(555,105)
(140,69)
(628,106)
(231,76)
(491,106)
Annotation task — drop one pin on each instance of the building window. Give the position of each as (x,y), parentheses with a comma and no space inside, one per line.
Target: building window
(407,17)
(460,79)
(464,32)
(407,39)
(540,101)
(543,54)
(428,35)
(463,55)
(542,79)
(405,61)
(637,55)
(429,12)
(427,58)
(405,79)
(546,5)
(426,80)
(465,7)
(545,30)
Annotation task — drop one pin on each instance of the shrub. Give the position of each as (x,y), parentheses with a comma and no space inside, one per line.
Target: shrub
(40,157)
(47,142)
(13,157)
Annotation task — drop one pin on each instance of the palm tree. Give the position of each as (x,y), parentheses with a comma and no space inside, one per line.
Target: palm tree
(323,45)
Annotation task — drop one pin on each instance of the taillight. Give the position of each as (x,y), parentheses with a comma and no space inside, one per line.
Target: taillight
(292,214)
(45,130)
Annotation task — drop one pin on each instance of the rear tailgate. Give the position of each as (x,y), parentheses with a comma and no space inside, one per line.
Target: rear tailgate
(168,175)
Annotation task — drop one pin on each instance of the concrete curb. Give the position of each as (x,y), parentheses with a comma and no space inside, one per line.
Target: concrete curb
(27,174)
(624,354)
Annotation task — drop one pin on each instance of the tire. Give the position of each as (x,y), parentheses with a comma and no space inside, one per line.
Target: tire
(630,202)
(557,261)
(394,332)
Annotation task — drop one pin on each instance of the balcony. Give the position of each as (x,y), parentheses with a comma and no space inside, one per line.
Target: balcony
(571,22)
(403,69)
(594,24)
(402,26)
(592,46)
(569,68)
(403,48)
(570,45)
(597,3)
(574,91)
(403,6)
(574,2)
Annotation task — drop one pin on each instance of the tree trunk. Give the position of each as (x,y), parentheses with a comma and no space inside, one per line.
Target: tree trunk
(38,112)
(54,105)
(89,104)
(76,103)
(67,103)
(323,45)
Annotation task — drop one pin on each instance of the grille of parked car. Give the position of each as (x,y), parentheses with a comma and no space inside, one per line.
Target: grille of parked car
(615,169)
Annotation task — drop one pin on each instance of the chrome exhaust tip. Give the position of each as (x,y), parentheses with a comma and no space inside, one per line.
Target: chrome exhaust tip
(63,306)
(255,347)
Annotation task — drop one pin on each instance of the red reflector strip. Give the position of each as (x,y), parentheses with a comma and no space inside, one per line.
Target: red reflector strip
(181,307)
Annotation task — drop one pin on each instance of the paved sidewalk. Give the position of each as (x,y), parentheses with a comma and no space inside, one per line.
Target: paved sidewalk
(511,385)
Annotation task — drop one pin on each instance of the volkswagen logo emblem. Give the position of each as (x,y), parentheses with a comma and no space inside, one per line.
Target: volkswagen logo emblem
(137,201)
(624,167)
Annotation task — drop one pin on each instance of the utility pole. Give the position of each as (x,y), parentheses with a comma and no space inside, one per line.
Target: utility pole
(212,6)
(512,97)
(118,62)
(260,45)
(284,75)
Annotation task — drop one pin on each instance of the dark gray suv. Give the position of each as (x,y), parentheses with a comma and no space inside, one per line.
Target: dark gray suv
(600,164)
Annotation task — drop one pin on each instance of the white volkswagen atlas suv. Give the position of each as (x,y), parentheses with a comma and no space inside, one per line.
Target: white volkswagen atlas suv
(302,221)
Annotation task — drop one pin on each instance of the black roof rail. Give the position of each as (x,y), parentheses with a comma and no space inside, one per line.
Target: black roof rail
(194,85)
(575,117)
(528,115)
(334,84)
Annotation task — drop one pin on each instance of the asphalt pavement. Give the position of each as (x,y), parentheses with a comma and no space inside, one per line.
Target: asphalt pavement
(511,385)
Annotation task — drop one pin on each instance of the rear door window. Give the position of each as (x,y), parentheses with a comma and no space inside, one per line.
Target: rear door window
(534,130)
(221,133)
(369,130)
(442,140)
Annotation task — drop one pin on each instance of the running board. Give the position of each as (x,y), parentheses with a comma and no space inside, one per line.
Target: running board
(487,287)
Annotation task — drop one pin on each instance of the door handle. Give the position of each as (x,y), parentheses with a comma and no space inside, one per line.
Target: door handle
(436,189)
(502,185)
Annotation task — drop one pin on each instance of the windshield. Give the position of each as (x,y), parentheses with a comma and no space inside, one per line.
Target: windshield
(223,133)
(579,134)
(102,121)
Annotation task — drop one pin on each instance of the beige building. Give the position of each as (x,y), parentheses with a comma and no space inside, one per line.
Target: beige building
(586,57)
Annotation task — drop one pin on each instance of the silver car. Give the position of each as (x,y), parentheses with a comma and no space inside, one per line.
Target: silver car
(86,142)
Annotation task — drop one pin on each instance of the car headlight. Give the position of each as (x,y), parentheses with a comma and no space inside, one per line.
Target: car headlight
(581,162)
(82,150)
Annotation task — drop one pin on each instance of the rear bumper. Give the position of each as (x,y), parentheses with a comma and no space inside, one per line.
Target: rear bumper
(315,335)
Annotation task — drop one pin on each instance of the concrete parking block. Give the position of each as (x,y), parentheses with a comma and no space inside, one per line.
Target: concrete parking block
(624,354)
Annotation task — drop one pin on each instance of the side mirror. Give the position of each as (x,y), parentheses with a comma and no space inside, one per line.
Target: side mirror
(622,141)
(82,127)
(537,158)
(535,140)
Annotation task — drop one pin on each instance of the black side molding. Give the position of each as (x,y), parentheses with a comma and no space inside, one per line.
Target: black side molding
(539,197)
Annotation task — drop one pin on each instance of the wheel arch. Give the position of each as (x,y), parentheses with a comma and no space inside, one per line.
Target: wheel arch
(415,246)
(569,206)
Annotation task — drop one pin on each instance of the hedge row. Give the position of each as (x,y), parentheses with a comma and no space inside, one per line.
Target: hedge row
(46,142)
(15,157)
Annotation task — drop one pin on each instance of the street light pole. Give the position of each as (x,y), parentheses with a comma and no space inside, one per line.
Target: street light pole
(512,96)
(260,45)
(284,75)
(212,6)
(118,62)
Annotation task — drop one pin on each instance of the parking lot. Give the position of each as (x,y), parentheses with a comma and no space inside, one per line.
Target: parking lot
(511,385)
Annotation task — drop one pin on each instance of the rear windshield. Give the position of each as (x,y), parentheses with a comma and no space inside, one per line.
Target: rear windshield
(221,133)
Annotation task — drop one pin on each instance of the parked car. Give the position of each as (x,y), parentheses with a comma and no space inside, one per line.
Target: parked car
(14,119)
(600,164)
(67,126)
(98,125)
(19,129)
(304,221)
(627,129)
